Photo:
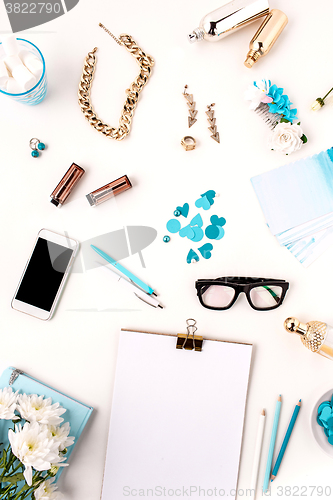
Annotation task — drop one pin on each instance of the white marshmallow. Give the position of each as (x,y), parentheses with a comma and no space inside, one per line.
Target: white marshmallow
(13,87)
(23,76)
(3,74)
(10,45)
(34,65)
(12,62)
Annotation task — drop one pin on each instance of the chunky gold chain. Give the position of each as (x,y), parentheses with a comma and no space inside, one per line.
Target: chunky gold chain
(145,61)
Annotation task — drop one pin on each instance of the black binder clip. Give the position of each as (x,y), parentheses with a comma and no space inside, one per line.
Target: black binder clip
(189,341)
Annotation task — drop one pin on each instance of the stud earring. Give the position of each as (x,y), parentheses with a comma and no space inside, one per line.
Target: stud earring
(191,104)
(211,120)
(36,146)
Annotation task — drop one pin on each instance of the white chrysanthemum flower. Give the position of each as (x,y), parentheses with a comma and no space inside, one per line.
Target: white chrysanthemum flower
(32,445)
(8,404)
(47,491)
(35,408)
(60,434)
(286,138)
(257,93)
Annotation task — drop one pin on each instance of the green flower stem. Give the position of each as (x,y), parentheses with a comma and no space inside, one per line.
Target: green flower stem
(25,491)
(22,490)
(327,94)
(6,491)
(12,472)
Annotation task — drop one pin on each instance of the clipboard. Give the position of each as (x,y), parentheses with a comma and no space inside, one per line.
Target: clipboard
(177,416)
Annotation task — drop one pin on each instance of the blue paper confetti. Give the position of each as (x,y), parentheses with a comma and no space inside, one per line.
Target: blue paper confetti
(197,221)
(186,231)
(325,418)
(210,195)
(205,250)
(195,229)
(184,209)
(220,236)
(198,234)
(192,256)
(217,221)
(173,225)
(212,232)
(203,203)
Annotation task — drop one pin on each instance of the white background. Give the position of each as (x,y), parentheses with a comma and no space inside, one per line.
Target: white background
(76,351)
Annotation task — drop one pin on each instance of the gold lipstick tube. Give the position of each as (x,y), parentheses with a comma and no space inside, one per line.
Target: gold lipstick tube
(267,34)
(66,185)
(106,192)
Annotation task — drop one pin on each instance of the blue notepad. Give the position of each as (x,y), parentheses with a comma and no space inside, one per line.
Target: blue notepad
(77,413)
(297,202)
(296,193)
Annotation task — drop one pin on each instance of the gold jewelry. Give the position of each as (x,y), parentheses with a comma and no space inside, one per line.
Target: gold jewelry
(188,143)
(145,61)
(191,104)
(211,120)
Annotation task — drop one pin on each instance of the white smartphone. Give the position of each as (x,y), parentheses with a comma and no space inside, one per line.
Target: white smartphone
(45,274)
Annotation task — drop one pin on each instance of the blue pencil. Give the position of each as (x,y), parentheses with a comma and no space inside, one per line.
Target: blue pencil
(272,444)
(286,440)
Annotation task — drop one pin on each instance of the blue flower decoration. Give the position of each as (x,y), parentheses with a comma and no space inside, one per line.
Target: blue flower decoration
(281,104)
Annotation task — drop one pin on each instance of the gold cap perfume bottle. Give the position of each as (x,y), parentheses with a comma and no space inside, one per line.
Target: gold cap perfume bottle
(315,335)
(267,34)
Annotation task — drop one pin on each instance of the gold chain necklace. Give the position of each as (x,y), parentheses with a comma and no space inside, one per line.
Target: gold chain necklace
(145,61)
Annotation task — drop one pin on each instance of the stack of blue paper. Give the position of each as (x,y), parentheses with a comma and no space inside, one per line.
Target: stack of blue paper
(297,202)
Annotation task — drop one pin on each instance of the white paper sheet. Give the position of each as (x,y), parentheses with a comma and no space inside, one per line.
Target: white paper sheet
(177,418)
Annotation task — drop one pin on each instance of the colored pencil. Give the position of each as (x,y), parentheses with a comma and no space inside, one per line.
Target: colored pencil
(272,444)
(286,440)
(257,452)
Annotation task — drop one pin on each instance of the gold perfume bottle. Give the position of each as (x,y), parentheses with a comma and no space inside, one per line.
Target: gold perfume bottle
(267,34)
(315,335)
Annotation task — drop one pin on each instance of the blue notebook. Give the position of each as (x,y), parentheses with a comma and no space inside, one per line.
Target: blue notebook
(77,413)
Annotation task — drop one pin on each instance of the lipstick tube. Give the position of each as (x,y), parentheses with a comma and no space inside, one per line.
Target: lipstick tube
(66,185)
(106,192)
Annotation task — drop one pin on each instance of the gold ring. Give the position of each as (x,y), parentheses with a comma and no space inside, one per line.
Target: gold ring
(188,143)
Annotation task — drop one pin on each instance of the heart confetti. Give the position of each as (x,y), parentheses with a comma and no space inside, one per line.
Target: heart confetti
(198,234)
(198,228)
(325,418)
(205,250)
(192,256)
(210,195)
(186,231)
(184,210)
(197,221)
(203,202)
(217,221)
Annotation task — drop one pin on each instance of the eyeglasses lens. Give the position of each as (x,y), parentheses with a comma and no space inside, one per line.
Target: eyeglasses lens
(266,296)
(217,295)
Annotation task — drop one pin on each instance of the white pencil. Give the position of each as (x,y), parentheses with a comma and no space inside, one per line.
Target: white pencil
(257,453)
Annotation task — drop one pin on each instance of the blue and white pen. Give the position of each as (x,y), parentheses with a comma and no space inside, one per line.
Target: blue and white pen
(124,271)
(148,299)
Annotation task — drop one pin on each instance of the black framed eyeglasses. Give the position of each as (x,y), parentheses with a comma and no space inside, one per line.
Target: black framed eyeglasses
(263,294)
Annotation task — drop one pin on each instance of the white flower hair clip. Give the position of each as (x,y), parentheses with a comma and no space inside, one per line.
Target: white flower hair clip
(275,108)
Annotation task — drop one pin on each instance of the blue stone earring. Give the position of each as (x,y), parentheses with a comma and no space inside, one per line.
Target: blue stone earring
(36,146)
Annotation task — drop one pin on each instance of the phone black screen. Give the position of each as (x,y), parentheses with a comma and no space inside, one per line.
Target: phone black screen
(44,274)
